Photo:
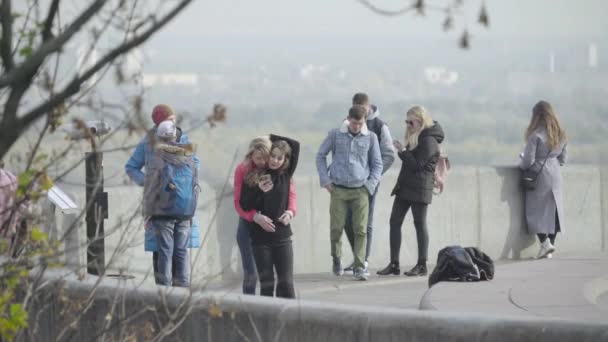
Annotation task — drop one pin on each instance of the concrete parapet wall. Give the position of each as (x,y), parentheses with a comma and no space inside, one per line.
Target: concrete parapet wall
(480,207)
(122,310)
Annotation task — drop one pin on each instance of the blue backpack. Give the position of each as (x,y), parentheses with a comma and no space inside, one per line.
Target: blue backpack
(171,182)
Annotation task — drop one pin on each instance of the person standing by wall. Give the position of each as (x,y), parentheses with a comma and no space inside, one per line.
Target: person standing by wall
(350,179)
(267,192)
(169,203)
(414,188)
(256,158)
(544,153)
(139,160)
(376,125)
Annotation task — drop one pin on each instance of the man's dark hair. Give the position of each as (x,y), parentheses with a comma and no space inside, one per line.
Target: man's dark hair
(360,99)
(357,112)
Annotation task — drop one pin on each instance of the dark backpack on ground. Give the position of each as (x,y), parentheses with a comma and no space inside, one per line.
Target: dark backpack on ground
(455,263)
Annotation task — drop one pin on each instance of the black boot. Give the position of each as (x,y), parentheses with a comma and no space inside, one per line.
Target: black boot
(418,270)
(392,268)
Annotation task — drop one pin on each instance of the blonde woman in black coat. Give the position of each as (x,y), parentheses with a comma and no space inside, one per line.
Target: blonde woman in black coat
(414,188)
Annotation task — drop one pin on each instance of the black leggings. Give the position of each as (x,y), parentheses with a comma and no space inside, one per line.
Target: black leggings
(543,237)
(271,256)
(400,208)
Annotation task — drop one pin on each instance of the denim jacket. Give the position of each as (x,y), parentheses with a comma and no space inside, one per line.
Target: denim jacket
(356,159)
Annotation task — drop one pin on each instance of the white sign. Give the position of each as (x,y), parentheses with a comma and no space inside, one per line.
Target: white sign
(61,199)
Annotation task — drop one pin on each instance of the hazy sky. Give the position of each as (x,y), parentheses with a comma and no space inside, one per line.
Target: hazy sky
(312,19)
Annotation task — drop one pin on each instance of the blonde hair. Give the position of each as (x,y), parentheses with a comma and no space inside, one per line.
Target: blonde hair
(261,144)
(545,118)
(411,139)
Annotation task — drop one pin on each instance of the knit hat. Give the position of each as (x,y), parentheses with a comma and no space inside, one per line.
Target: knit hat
(166,129)
(161,113)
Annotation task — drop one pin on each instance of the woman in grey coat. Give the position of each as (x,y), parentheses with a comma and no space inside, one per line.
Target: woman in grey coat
(544,206)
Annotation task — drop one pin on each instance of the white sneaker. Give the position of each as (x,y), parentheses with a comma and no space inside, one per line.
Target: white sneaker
(366,269)
(359,274)
(545,249)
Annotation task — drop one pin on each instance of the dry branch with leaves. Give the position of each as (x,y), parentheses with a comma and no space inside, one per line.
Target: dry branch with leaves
(451,9)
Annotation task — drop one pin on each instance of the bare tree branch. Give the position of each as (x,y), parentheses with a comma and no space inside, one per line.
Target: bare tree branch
(105,26)
(37,146)
(382,11)
(9,118)
(48,23)
(25,22)
(6,44)
(74,86)
(30,65)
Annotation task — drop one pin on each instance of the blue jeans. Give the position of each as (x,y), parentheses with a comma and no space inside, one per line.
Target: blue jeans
(348,225)
(172,238)
(250,277)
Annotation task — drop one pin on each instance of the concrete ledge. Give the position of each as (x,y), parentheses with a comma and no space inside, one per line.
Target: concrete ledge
(219,317)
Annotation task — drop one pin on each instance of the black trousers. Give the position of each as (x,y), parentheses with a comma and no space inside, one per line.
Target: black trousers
(275,256)
(419,210)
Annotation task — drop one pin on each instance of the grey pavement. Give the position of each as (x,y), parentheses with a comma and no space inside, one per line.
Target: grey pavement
(572,287)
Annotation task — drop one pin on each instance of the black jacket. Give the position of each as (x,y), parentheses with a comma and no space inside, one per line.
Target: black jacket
(415,181)
(455,263)
(274,202)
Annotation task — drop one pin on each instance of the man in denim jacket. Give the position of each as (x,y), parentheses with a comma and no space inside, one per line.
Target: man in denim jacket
(352,176)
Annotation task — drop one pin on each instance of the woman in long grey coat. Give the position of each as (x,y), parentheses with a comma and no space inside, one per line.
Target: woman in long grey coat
(544,206)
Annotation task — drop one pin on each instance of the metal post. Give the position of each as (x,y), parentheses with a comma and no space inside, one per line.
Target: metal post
(97,211)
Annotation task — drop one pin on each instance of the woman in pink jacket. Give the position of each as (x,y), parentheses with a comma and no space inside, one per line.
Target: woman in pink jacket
(256,157)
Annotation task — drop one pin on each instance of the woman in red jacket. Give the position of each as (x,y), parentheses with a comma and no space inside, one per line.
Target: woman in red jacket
(267,192)
(257,157)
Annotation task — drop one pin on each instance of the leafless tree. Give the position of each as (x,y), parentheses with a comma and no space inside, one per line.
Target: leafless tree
(31,51)
(451,9)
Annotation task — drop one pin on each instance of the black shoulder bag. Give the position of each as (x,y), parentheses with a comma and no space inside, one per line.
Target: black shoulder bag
(529,178)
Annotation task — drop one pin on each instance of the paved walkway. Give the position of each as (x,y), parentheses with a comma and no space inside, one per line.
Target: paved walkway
(573,287)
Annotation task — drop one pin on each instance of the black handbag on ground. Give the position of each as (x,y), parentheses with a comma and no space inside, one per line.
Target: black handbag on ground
(529,177)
